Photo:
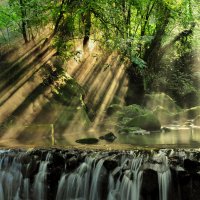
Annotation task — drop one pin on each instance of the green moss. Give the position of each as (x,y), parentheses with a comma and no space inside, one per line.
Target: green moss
(147,122)
(132,111)
(134,117)
(112,109)
(70,93)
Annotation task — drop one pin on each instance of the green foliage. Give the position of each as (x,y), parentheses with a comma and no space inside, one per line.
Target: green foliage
(133,116)
(145,31)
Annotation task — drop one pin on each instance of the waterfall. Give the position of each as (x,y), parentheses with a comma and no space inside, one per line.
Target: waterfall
(129,187)
(10,178)
(84,183)
(87,181)
(76,184)
(40,180)
(96,180)
(164,177)
(164,180)
(94,175)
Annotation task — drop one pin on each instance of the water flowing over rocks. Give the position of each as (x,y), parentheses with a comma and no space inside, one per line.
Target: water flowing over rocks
(61,174)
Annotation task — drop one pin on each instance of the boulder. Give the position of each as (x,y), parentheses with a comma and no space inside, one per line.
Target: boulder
(133,131)
(151,101)
(165,129)
(191,165)
(110,164)
(110,137)
(72,163)
(128,130)
(164,116)
(88,141)
(149,187)
(147,122)
(134,117)
(133,110)
(112,109)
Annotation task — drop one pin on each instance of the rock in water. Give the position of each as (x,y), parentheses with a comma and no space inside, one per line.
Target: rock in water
(165,129)
(191,165)
(88,141)
(110,137)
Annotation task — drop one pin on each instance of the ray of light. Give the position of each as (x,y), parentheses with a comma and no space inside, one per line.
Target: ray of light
(27,116)
(109,96)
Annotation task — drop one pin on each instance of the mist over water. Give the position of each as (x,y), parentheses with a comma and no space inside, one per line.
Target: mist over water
(104,78)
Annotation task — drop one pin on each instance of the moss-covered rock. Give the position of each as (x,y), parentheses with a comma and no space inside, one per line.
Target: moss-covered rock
(163,115)
(152,101)
(133,118)
(133,131)
(147,122)
(88,141)
(113,109)
(133,110)
(110,137)
(69,93)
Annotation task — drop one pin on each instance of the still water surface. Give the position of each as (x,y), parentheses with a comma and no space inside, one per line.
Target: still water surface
(178,136)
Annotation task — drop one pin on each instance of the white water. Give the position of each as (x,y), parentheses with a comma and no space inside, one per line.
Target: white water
(164,180)
(10,179)
(129,187)
(91,180)
(84,183)
(40,183)
(75,185)
(164,177)
(87,181)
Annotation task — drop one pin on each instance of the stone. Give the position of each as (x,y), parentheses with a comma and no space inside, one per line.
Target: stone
(72,163)
(147,122)
(164,116)
(137,117)
(165,129)
(128,130)
(132,111)
(110,164)
(110,137)
(149,188)
(112,109)
(88,141)
(191,165)
(57,160)
(153,100)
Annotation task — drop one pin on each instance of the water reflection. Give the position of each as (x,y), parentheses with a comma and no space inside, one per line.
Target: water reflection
(42,136)
(179,136)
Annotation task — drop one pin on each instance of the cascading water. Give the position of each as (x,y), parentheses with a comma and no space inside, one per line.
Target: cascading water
(164,176)
(92,175)
(164,180)
(73,185)
(40,180)
(129,187)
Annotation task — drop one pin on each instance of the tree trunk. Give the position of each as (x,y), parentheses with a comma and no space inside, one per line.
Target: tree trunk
(23,23)
(151,55)
(87,23)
